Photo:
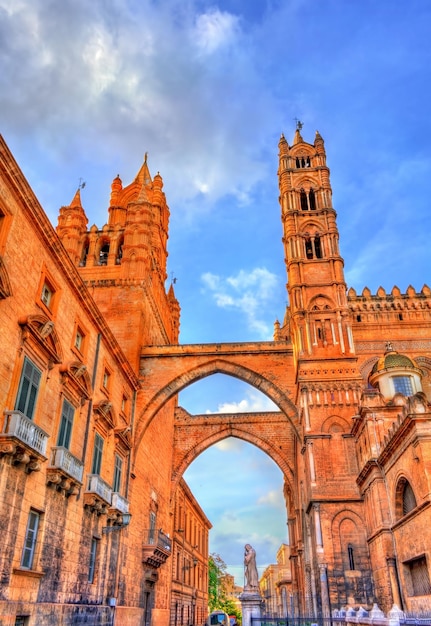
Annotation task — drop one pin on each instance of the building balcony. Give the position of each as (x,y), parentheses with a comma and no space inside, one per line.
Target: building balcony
(98,495)
(64,471)
(119,506)
(23,440)
(156,549)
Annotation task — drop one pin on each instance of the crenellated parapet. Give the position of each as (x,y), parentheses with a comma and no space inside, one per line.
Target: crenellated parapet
(393,306)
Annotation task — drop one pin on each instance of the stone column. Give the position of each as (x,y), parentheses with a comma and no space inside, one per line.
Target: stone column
(326,611)
(251,606)
(393,576)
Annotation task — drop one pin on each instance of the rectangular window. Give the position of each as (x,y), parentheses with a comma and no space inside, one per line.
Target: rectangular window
(79,339)
(118,470)
(93,560)
(152,533)
(97,454)
(30,540)
(106,377)
(419,577)
(403,384)
(67,413)
(28,388)
(46,295)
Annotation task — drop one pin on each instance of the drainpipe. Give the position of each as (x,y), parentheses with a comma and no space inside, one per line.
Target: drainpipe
(129,458)
(90,404)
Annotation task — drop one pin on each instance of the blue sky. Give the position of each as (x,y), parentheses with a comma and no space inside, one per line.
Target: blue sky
(206,88)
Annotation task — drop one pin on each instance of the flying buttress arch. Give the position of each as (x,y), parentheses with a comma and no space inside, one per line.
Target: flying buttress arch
(207,368)
(231,430)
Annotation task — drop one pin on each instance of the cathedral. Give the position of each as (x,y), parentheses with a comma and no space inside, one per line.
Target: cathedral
(97,524)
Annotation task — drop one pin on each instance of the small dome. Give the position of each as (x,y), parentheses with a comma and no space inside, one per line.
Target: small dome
(391,360)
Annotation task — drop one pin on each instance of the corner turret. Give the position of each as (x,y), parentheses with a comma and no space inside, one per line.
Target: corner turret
(72,225)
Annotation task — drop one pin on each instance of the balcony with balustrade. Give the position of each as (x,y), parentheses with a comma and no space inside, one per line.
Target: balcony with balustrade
(119,506)
(156,549)
(98,494)
(24,441)
(64,471)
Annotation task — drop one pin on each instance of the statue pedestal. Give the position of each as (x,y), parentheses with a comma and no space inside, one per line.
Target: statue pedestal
(251,605)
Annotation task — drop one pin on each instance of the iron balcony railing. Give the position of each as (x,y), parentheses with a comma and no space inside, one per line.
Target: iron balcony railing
(157,538)
(156,547)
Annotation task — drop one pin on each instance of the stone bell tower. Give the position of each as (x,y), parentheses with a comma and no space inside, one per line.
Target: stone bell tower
(124,262)
(319,324)
(329,385)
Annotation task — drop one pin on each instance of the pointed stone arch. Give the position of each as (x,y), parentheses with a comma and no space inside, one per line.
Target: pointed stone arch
(335,424)
(240,432)
(321,302)
(310,228)
(203,370)
(221,426)
(348,530)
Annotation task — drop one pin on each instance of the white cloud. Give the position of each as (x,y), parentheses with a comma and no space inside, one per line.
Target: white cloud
(254,403)
(248,292)
(118,79)
(231,444)
(273,499)
(214,30)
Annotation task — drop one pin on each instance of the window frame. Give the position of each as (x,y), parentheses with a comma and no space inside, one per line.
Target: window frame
(117,481)
(415,582)
(152,528)
(31,537)
(403,387)
(46,280)
(80,329)
(96,463)
(106,379)
(64,438)
(18,400)
(92,565)
(125,401)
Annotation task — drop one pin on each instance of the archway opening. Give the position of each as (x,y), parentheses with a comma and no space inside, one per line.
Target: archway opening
(237,484)
(240,490)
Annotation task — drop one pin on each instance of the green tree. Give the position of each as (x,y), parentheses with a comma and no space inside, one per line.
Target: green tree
(217,594)
(216,588)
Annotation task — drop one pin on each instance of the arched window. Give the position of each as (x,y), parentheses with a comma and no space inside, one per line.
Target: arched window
(119,251)
(351,556)
(304,202)
(312,199)
(405,500)
(298,162)
(308,248)
(84,255)
(317,247)
(409,500)
(104,252)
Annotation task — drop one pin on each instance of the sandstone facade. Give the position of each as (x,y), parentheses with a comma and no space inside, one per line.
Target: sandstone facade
(91,429)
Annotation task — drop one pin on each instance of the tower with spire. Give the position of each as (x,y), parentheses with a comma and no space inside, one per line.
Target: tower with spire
(124,262)
(318,313)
